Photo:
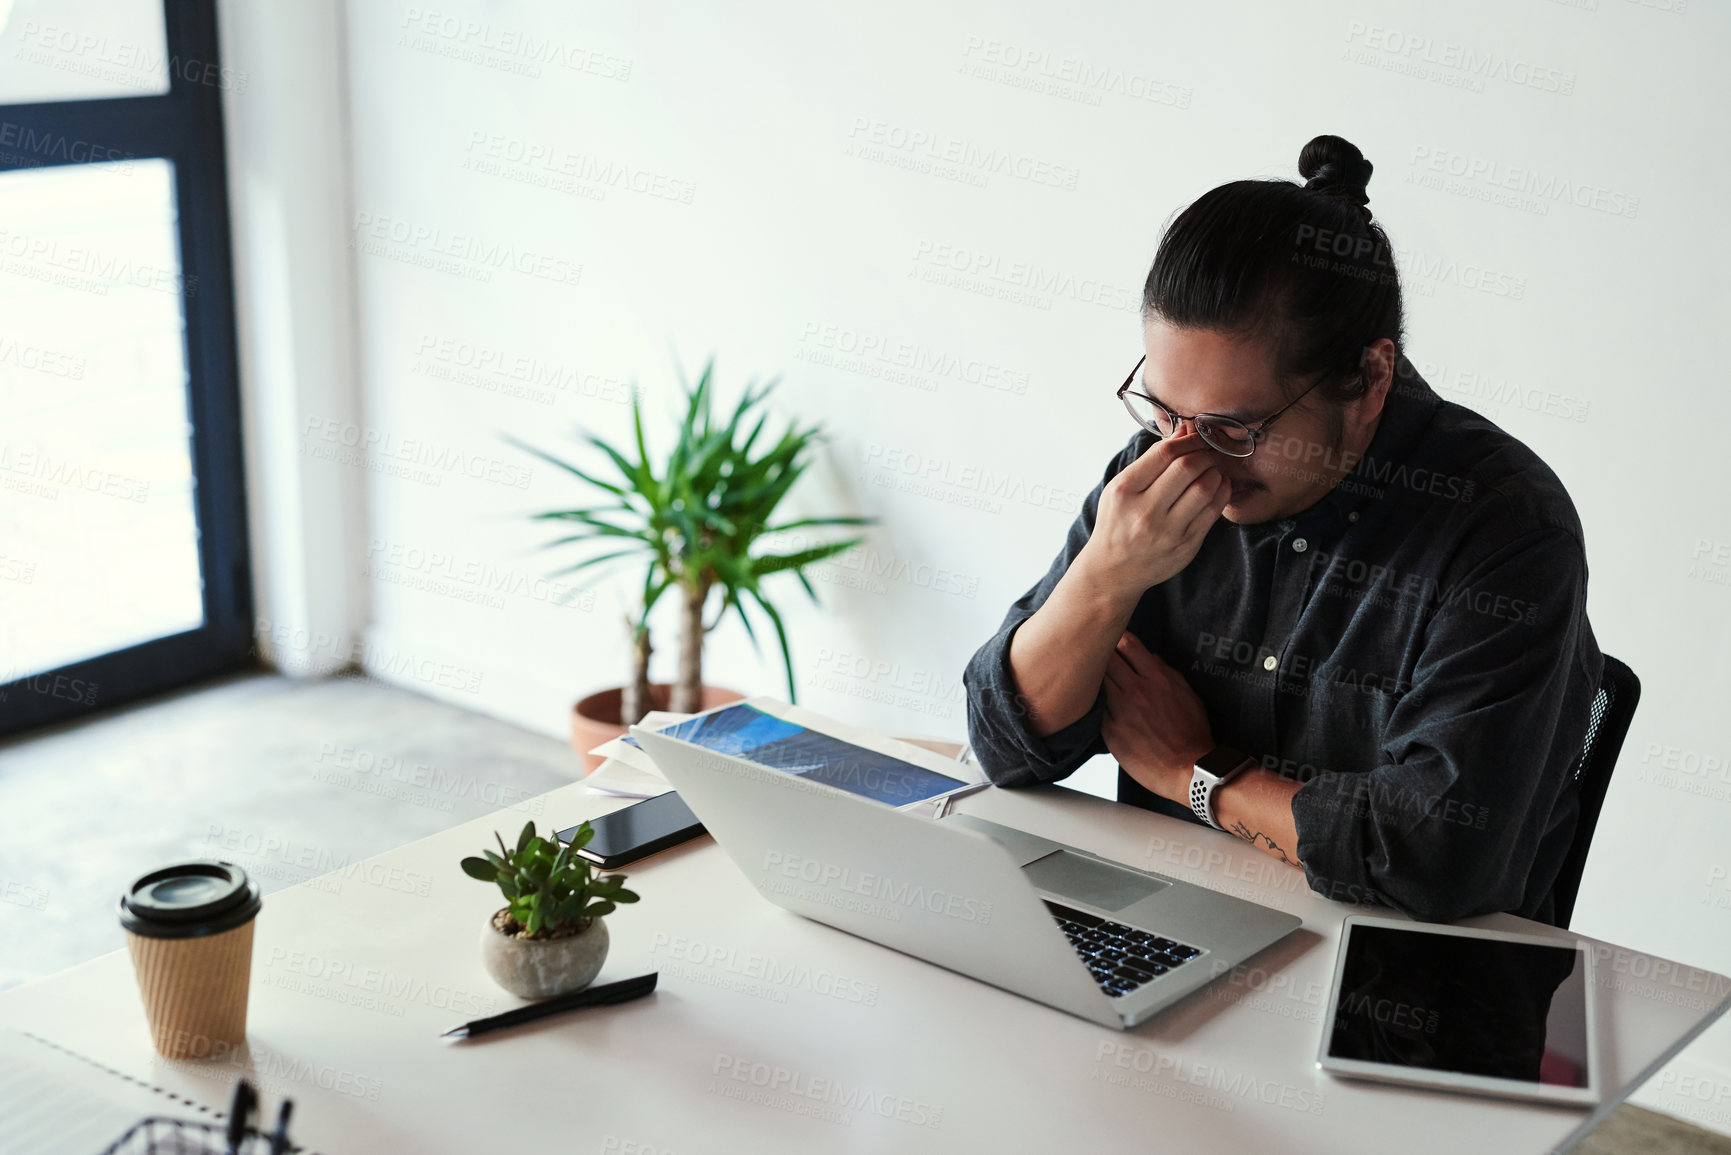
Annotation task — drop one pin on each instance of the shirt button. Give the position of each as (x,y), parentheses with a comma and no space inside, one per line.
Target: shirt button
(1353,516)
(1270,662)
(1299,545)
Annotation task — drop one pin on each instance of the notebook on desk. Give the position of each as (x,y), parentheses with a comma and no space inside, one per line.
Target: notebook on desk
(1051,922)
(56,1102)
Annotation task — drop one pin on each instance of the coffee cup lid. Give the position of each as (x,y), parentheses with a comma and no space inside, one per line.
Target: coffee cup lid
(189,900)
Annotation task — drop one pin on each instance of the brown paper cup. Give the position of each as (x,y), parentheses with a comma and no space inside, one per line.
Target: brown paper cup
(194,990)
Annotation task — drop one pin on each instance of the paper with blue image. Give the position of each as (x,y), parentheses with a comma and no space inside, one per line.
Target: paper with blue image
(765,740)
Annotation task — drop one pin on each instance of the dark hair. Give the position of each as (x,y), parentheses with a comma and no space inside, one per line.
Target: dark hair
(1304,267)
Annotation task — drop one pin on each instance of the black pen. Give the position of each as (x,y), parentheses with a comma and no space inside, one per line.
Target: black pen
(617,992)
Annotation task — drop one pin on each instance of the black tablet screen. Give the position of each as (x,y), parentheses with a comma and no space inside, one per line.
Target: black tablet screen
(1473,1006)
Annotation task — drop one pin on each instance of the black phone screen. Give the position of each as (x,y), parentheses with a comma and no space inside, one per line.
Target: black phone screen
(640,829)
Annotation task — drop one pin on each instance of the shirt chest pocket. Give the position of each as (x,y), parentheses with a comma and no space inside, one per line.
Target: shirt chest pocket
(1354,700)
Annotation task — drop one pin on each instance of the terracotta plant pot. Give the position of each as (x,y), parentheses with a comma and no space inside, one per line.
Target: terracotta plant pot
(541,968)
(595,719)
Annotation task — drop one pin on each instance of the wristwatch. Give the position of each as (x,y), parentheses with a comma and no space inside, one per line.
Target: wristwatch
(1212,771)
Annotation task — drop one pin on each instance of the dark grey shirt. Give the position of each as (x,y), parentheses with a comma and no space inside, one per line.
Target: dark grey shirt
(1414,648)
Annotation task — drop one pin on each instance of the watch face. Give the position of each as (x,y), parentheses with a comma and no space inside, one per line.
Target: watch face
(1220,760)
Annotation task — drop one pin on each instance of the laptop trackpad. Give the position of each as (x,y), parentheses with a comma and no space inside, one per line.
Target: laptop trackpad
(1090,880)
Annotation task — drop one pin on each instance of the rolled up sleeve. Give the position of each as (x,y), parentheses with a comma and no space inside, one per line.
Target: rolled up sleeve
(1475,752)
(999,728)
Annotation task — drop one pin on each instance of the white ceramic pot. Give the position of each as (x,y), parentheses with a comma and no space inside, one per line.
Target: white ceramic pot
(541,968)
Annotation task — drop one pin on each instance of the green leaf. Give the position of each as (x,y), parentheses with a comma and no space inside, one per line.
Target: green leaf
(637,472)
(567,467)
(747,475)
(535,920)
(652,592)
(585,564)
(600,529)
(805,521)
(508,887)
(765,564)
(623,896)
(739,612)
(781,635)
(745,450)
(704,455)
(746,402)
(480,868)
(637,425)
(597,909)
(575,514)
(804,581)
(595,528)
(527,833)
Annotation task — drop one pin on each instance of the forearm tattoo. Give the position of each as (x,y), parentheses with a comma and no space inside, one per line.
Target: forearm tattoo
(1262,842)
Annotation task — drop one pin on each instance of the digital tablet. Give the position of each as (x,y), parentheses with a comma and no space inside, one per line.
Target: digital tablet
(1480,1011)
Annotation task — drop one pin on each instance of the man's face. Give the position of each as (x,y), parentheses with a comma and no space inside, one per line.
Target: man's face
(1296,462)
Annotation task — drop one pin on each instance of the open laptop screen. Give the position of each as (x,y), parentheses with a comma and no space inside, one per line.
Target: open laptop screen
(749,733)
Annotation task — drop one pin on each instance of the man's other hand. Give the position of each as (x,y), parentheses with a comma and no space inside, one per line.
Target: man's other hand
(1155,724)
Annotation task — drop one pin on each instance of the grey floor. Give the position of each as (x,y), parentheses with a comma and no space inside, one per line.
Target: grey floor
(289,779)
(295,779)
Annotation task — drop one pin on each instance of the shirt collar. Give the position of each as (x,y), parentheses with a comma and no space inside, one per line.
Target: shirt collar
(1408,409)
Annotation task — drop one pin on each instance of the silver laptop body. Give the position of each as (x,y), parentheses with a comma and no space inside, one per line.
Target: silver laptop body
(968,894)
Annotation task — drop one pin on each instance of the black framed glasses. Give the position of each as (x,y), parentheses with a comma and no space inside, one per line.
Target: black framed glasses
(1225,434)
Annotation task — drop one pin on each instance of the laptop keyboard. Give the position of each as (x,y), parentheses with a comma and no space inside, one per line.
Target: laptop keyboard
(1121,958)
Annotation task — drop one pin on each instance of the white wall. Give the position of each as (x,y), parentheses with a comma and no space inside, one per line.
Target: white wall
(295,314)
(770,209)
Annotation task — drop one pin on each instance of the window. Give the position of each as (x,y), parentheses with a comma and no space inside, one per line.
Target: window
(123,564)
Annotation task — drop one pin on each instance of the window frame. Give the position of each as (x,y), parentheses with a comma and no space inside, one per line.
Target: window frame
(185,127)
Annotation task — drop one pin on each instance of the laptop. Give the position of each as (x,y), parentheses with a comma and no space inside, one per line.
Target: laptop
(1054,923)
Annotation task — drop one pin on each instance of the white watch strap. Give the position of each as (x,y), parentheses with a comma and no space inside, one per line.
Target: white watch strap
(1202,788)
(1202,796)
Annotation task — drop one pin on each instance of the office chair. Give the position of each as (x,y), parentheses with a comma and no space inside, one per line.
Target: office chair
(1607,726)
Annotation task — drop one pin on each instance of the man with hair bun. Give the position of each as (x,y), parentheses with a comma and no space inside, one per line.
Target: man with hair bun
(1310,602)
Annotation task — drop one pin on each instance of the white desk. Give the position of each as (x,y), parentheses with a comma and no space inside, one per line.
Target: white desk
(862,1048)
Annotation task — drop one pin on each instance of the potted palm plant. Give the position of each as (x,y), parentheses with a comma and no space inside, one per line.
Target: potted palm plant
(695,526)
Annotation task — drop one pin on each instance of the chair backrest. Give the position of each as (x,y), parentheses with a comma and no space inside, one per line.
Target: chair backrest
(1607,725)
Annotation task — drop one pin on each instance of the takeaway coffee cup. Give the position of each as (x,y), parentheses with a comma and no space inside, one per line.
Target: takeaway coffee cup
(189,930)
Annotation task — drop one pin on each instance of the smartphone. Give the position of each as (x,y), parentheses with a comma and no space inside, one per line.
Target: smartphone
(637,831)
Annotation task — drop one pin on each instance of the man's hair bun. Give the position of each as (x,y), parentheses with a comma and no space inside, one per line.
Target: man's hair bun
(1332,165)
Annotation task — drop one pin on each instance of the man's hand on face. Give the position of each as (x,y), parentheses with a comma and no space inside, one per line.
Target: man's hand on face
(1155,724)
(1153,515)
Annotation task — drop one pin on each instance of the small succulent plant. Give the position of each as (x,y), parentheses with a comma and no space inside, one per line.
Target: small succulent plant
(549,887)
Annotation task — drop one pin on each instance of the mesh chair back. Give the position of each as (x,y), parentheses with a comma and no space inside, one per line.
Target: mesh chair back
(1608,724)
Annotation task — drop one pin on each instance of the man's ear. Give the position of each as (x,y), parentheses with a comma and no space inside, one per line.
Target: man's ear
(1377,365)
